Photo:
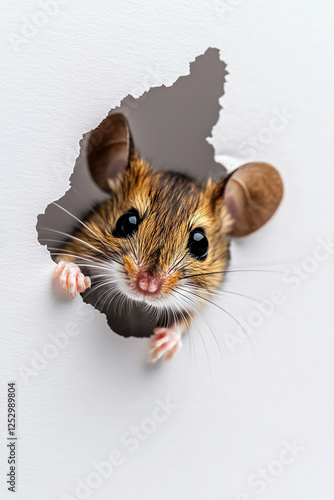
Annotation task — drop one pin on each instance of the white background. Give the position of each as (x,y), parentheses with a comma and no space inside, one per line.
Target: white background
(235,416)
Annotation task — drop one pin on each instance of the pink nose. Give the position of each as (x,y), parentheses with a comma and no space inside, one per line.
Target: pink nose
(148,284)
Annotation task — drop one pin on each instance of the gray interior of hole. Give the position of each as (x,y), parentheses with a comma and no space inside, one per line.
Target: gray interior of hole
(169,126)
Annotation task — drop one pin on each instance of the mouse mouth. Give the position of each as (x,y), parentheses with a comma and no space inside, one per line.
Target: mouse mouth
(147,287)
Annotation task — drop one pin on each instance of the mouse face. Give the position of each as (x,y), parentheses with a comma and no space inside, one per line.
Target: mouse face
(161,240)
(160,236)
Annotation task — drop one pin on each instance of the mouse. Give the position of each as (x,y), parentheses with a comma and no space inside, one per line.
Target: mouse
(158,246)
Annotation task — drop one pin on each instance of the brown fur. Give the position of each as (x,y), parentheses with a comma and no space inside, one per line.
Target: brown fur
(170,206)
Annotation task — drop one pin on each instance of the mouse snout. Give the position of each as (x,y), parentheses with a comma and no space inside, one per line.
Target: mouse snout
(149,285)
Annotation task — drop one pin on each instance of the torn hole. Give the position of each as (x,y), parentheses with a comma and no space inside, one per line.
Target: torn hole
(169,126)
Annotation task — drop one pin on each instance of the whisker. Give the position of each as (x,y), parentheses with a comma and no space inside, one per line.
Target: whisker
(232,271)
(91,258)
(117,297)
(220,293)
(92,265)
(207,354)
(87,204)
(191,340)
(254,271)
(73,237)
(64,249)
(229,314)
(95,287)
(219,307)
(108,293)
(82,223)
(199,312)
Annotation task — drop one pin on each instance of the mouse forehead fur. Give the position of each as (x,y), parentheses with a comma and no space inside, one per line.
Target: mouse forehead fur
(172,198)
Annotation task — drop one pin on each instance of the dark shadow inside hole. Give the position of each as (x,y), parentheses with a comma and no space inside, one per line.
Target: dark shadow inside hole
(169,126)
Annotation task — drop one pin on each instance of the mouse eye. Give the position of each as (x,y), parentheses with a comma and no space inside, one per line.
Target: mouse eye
(127,224)
(198,244)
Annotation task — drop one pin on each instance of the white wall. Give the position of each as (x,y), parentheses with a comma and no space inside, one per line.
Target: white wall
(232,417)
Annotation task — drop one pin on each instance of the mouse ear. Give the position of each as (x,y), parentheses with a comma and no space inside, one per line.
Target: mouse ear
(251,194)
(109,149)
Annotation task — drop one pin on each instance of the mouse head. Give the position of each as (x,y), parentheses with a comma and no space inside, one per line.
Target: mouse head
(165,236)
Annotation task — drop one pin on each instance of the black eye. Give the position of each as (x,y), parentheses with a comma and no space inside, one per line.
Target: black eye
(198,244)
(127,224)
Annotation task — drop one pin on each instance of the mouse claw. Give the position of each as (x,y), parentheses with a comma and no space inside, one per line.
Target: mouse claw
(71,278)
(165,342)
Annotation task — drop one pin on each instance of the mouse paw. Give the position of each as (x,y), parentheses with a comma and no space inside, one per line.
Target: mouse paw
(166,342)
(71,278)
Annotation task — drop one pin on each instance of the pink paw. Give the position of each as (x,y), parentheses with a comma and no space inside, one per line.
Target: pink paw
(166,342)
(71,278)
